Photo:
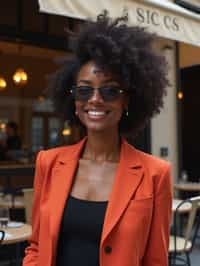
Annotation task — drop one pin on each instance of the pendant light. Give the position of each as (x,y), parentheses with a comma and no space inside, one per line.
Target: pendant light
(3,83)
(20,77)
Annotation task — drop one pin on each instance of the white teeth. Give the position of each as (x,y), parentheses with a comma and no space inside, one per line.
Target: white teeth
(96,113)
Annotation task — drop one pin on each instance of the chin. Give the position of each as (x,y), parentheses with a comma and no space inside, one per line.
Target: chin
(99,128)
(96,128)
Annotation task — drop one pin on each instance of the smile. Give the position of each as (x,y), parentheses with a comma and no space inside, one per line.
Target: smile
(96,114)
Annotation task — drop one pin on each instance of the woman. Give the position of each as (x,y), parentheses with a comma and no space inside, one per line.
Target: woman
(101,201)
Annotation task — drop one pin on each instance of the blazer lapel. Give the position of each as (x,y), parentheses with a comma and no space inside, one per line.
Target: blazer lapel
(62,178)
(128,177)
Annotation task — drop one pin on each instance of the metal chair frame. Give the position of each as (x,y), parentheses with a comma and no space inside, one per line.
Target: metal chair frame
(174,257)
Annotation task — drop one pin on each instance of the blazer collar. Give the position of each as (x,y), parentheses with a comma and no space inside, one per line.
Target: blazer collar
(128,153)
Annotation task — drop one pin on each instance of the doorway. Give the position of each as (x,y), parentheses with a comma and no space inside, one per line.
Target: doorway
(190,126)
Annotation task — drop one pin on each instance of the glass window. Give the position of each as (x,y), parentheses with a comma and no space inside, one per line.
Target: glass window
(54,131)
(37,133)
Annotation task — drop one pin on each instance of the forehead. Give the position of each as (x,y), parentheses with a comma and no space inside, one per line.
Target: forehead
(91,71)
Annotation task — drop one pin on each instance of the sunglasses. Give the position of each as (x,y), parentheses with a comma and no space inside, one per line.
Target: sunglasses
(107,93)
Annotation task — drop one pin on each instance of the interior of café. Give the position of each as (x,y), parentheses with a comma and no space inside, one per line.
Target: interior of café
(32,47)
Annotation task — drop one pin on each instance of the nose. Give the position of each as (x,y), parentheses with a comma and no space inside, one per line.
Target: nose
(96,97)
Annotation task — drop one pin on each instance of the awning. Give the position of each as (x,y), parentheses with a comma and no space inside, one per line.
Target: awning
(193,5)
(163,17)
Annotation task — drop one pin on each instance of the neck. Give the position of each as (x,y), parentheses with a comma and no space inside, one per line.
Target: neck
(102,147)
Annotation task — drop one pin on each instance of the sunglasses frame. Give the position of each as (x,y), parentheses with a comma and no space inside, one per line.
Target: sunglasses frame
(121,91)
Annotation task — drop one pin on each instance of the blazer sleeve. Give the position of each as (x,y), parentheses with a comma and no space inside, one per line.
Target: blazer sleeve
(156,252)
(31,252)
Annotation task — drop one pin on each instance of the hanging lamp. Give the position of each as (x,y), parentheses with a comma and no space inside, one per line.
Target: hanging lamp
(20,77)
(3,83)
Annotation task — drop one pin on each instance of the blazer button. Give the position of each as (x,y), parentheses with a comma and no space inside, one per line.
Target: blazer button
(108,249)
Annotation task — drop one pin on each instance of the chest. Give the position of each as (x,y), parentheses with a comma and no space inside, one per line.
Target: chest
(93,180)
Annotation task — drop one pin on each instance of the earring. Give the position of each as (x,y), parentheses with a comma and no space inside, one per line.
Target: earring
(127,112)
(76,113)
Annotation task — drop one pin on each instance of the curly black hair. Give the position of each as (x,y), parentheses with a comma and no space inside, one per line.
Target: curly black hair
(127,53)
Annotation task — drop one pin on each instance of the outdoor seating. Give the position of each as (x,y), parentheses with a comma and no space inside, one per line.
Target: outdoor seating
(181,245)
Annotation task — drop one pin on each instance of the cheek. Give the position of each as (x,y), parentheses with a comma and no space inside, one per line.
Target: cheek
(117,114)
(79,107)
(118,110)
(79,111)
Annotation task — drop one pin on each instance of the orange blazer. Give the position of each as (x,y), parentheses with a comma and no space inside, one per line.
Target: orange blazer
(137,219)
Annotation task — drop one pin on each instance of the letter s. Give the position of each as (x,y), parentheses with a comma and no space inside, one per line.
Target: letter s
(140,13)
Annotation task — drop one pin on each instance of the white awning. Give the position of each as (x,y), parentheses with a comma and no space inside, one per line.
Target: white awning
(163,17)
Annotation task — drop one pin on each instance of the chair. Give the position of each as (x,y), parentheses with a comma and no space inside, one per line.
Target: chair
(181,246)
(28,200)
(2,235)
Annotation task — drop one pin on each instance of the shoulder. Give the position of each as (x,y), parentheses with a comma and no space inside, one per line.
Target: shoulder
(54,152)
(153,163)
(155,169)
(51,156)
(147,161)
(156,173)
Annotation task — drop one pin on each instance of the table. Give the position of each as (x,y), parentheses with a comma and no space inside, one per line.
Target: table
(17,235)
(188,186)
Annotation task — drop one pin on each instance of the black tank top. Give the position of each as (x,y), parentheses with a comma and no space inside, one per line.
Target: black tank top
(80,233)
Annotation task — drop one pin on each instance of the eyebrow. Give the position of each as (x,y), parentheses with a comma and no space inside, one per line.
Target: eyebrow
(90,82)
(85,81)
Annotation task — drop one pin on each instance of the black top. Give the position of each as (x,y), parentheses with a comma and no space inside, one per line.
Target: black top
(80,233)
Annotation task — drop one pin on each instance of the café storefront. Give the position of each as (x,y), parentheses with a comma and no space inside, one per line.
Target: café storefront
(174,23)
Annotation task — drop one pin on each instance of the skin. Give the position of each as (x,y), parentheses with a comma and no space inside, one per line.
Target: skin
(97,166)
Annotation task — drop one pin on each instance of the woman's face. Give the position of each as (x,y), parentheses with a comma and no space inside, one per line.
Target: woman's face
(96,113)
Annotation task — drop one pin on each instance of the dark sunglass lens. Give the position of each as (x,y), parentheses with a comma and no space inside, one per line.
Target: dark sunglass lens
(110,93)
(83,93)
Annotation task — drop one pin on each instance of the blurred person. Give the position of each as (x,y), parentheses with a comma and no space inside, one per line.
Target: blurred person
(102,201)
(12,141)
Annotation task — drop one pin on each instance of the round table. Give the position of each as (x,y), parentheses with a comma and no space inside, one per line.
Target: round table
(16,235)
(188,186)
(186,207)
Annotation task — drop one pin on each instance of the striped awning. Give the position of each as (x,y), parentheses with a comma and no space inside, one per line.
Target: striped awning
(166,19)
